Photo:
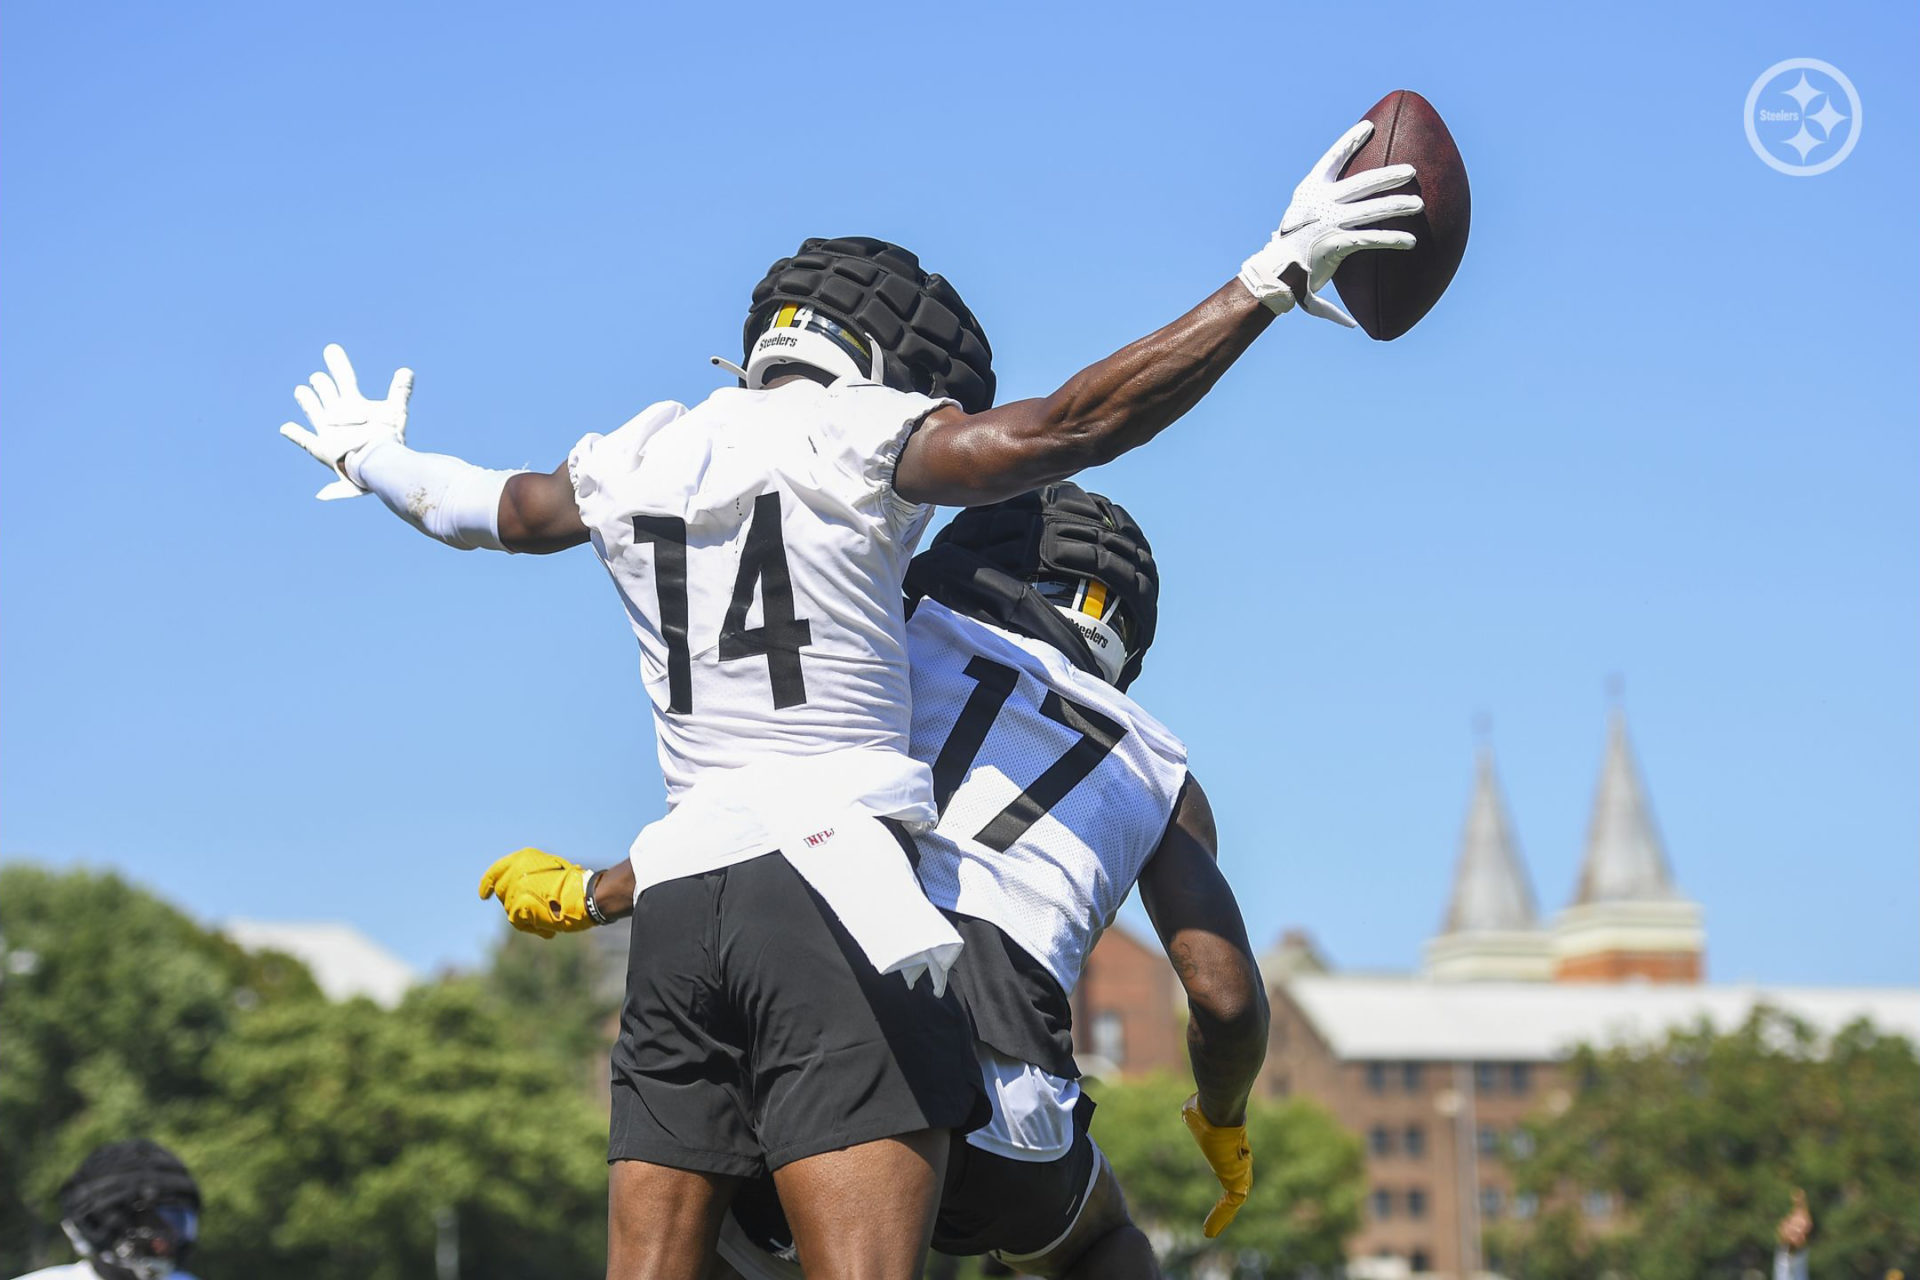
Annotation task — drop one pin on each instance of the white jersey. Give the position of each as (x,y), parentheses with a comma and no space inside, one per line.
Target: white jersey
(1054,788)
(758,546)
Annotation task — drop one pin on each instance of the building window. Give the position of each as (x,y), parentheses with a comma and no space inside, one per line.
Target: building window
(1521,1144)
(1491,1203)
(1414,1141)
(1486,1076)
(1488,1140)
(1519,1078)
(1382,1203)
(1525,1205)
(1110,1037)
(1410,1076)
(1416,1203)
(1597,1204)
(1420,1262)
(1376,1077)
(1380,1140)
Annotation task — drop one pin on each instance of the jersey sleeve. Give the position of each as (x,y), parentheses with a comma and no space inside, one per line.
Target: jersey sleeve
(598,459)
(865,433)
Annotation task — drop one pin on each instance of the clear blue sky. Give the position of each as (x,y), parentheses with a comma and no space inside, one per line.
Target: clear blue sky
(1663,425)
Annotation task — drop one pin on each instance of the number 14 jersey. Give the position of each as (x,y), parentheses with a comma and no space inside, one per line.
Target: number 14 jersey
(1054,788)
(758,547)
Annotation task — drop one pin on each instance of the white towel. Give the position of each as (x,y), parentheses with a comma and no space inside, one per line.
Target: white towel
(823,814)
(858,866)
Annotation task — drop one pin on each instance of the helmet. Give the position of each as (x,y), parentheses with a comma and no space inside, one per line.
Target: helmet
(1084,555)
(132,1209)
(861,307)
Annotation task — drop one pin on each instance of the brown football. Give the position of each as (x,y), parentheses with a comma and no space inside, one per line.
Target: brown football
(1388,290)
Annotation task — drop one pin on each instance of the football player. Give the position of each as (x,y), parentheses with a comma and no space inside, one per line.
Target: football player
(132,1212)
(761,1031)
(1057,794)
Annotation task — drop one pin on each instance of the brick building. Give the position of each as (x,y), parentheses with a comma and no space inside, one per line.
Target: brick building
(1436,1071)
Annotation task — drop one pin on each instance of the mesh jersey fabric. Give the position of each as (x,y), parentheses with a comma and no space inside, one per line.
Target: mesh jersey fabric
(1003,722)
(758,548)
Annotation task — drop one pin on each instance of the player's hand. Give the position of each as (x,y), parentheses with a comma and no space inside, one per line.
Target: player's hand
(541,893)
(344,420)
(1226,1149)
(1319,229)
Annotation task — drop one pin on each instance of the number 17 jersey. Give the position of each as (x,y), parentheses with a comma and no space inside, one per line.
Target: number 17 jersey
(1054,788)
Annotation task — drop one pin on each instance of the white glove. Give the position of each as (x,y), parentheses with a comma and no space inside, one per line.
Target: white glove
(345,421)
(1316,235)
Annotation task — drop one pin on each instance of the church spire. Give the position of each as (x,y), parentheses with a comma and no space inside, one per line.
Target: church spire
(1490,886)
(1627,921)
(1491,930)
(1625,860)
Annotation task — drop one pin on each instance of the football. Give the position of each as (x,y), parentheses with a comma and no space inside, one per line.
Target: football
(1388,291)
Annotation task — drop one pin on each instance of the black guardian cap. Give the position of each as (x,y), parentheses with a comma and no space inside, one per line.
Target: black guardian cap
(878,291)
(1051,543)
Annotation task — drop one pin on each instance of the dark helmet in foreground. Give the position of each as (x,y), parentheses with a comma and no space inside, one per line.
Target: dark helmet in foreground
(863,308)
(131,1209)
(1080,552)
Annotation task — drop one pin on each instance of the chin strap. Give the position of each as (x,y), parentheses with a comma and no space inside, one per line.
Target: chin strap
(967,582)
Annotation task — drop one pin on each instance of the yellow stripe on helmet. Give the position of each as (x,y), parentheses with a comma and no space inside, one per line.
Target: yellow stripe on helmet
(1095,601)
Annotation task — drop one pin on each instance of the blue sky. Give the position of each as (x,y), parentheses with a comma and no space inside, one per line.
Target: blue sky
(1664,425)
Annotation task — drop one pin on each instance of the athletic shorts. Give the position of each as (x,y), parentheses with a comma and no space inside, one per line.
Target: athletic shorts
(1014,1208)
(755,1032)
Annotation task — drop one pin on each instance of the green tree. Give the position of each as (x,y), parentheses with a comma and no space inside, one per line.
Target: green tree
(333,1135)
(110,1001)
(1699,1141)
(576,980)
(1308,1180)
(326,1137)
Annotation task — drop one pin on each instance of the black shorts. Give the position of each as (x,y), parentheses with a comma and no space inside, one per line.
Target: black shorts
(756,1033)
(992,1204)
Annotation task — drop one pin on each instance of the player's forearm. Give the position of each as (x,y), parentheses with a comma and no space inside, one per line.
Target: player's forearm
(1123,401)
(1227,1046)
(1114,405)
(613,889)
(446,498)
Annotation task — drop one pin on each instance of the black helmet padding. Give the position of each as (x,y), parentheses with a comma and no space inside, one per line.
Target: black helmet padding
(1059,531)
(932,342)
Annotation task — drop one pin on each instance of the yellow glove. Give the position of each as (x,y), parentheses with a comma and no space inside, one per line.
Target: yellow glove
(542,894)
(1226,1149)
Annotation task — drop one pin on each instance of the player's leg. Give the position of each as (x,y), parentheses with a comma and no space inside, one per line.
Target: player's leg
(855,1077)
(865,1212)
(1104,1245)
(662,1222)
(679,1140)
(1065,1219)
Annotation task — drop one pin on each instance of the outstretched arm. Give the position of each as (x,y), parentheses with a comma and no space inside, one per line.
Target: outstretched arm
(364,443)
(1123,401)
(1194,911)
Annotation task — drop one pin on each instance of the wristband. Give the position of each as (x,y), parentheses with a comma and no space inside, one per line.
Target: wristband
(594,913)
